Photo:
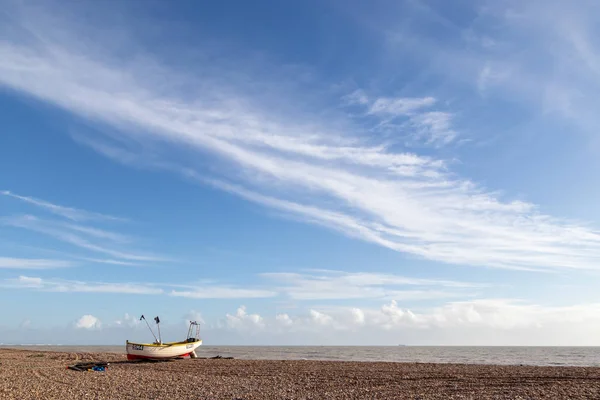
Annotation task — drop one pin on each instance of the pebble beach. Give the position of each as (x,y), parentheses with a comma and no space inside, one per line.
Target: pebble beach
(26,374)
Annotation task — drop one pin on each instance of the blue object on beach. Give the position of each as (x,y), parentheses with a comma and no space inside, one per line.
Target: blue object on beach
(101,369)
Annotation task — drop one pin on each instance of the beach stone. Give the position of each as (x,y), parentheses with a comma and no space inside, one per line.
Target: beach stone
(43,375)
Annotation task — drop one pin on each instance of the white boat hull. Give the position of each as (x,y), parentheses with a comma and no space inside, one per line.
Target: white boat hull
(161,351)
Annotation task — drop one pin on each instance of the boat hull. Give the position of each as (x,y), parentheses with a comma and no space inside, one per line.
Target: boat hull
(161,351)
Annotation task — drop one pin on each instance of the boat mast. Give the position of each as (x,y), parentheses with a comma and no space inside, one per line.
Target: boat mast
(158,326)
(152,332)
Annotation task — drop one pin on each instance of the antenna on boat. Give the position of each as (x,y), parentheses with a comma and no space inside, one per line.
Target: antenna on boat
(158,326)
(144,318)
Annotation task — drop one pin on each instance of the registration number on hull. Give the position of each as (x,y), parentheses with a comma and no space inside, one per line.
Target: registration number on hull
(137,347)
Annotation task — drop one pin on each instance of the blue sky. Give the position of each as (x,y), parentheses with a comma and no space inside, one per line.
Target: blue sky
(318,173)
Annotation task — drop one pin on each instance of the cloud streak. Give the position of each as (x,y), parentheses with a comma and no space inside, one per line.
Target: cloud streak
(316,172)
(329,285)
(540,57)
(73,214)
(79,236)
(33,263)
(213,291)
(408,117)
(223,292)
(319,285)
(72,286)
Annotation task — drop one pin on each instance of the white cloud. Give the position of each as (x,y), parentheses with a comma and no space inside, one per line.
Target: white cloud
(88,322)
(503,314)
(33,263)
(540,56)
(284,319)
(66,212)
(29,282)
(318,285)
(205,291)
(62,285)
(192,316)
(434,127)
(222,292)
(111,261)
(324,284)
(426,127)
(393,316)
(490,75)
(357,97)
(402,106)
(320,318)
(474,322)
(243,320)
(481,322)
(127,321)
(359,316)
(402,201)
(99,233)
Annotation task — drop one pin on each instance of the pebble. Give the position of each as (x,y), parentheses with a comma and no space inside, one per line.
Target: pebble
(44,376)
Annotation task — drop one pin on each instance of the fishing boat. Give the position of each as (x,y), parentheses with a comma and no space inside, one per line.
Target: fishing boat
(159,350)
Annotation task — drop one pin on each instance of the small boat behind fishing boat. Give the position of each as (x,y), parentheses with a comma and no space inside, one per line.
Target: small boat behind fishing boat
(159,350)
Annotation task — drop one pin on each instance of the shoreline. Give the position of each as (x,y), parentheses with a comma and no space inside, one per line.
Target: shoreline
(33,374)
(307,353)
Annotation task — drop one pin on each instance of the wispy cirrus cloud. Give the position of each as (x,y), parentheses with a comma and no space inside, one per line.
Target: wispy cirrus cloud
(68,286)
(540,57)
(110,261)
(317,285)
(324,284)
(410,118)
(398,106)
(315,171)
(222,292)
(433,127)
(66,212)
(76,235)
(200,291)
(69,257)
(33,263)
(82,231)
(98,233)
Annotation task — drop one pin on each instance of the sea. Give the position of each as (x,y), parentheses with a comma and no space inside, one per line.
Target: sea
(542,356)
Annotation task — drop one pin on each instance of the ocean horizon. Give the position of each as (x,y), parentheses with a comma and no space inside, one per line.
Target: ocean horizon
(582,356)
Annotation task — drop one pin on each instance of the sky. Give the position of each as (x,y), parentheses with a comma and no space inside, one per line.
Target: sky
(309,173)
